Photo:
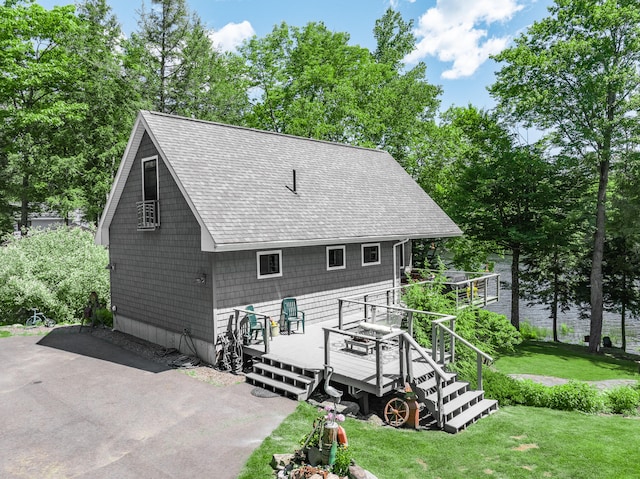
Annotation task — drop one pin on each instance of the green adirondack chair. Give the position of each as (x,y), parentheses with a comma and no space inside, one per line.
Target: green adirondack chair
(290,314)
(255,325)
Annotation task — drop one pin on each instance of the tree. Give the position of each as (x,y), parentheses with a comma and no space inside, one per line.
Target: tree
(40,70)
(552,268)
(499,189)
(621,271)
(576,74)
(310,82)
(177,69)
(100,139)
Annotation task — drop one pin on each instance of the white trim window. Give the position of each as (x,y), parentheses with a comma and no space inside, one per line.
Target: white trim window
(336,257)
(269,264)
(150,183)
(370,254)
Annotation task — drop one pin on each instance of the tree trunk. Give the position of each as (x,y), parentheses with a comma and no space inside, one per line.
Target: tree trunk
(595,332)
(515,287)
(623,321)
(554,306)
(24,206)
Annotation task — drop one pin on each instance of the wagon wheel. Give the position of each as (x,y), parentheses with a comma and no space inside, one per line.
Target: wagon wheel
(396,412)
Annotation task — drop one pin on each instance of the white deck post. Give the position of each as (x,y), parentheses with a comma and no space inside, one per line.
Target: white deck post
(339,314)
(326,348)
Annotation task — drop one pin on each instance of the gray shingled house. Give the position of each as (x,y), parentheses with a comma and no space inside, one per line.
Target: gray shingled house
(205,217)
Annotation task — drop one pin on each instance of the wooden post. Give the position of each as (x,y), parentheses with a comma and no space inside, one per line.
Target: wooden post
(340,314)
(479,361)
(410,321)
(452,326)
(366,310)
(434,341)
(402,358)
(326,347)
(378,368)
(329,438)
(442,348)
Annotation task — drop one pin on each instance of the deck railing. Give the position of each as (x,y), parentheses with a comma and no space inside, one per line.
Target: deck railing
(243,324)
(470,288)
(438,345)
(384,381)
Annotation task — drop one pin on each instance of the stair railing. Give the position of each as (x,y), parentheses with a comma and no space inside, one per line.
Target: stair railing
(438,326)
(437,369)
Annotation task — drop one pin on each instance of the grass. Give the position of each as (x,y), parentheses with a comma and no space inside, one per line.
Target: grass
(567,361)
(515,442)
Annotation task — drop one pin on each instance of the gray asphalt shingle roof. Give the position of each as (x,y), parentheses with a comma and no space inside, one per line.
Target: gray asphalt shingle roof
(236,180)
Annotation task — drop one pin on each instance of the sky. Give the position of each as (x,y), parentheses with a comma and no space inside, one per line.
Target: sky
(454,37)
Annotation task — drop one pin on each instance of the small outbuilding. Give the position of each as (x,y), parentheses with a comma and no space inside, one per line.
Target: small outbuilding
(203,218)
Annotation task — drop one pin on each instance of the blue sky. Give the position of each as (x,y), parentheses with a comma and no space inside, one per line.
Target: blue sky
(455,37)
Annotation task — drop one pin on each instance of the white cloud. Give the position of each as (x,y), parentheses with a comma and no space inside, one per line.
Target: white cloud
(451,31)
(231,36)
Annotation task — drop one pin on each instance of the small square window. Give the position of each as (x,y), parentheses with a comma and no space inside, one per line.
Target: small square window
(269,264)
(370,254)
(335,257)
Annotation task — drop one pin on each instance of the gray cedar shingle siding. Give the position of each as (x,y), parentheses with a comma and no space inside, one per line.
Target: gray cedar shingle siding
(304,276)
(154,279)
(223,195)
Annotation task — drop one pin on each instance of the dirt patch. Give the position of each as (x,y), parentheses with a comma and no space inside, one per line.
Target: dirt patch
(525,447)
(158,354)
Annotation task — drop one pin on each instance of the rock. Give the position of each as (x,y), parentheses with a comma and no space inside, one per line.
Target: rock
(356,472)
(280,461)
(349,408)
(331,475)
(375,420)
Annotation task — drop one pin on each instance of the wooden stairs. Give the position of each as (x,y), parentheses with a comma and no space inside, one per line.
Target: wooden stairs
(460,405)
(286,379)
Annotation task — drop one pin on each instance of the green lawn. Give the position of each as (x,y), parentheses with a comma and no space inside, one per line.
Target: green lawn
(567,361)
(515,442)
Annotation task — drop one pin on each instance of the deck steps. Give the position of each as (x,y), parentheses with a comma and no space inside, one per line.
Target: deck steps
(287,379)
(460,406)
(470,415)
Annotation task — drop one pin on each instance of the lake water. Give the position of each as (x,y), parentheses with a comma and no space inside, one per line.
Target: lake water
(571,329)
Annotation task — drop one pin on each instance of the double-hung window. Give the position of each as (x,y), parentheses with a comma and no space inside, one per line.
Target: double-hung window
(336,258)
(269,264)
(370,254)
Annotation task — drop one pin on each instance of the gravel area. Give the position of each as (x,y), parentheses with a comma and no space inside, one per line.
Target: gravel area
(202,372)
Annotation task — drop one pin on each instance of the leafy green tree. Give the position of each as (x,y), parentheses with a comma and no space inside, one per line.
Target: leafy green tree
(311,82)
(36,108)
(112,103)
(575,73)
(552,268)
(178,71)
(499,191)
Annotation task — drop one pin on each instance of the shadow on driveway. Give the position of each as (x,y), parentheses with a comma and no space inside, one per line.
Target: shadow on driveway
(77,406)
(71,340)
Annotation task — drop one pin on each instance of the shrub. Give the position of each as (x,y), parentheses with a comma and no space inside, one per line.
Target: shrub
(535,394)
(576,396)
(486,330)
(623,400)
(505,389)
(52,270)
(343,461)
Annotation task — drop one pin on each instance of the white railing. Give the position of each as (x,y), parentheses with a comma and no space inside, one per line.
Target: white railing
(148,215)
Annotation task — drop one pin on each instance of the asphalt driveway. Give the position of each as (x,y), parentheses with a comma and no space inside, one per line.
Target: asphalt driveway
(76,406)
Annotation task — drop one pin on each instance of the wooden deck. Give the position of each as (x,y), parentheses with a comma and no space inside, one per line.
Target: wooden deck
(353,367)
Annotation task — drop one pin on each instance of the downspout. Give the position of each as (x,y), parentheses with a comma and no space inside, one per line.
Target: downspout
(395,268)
